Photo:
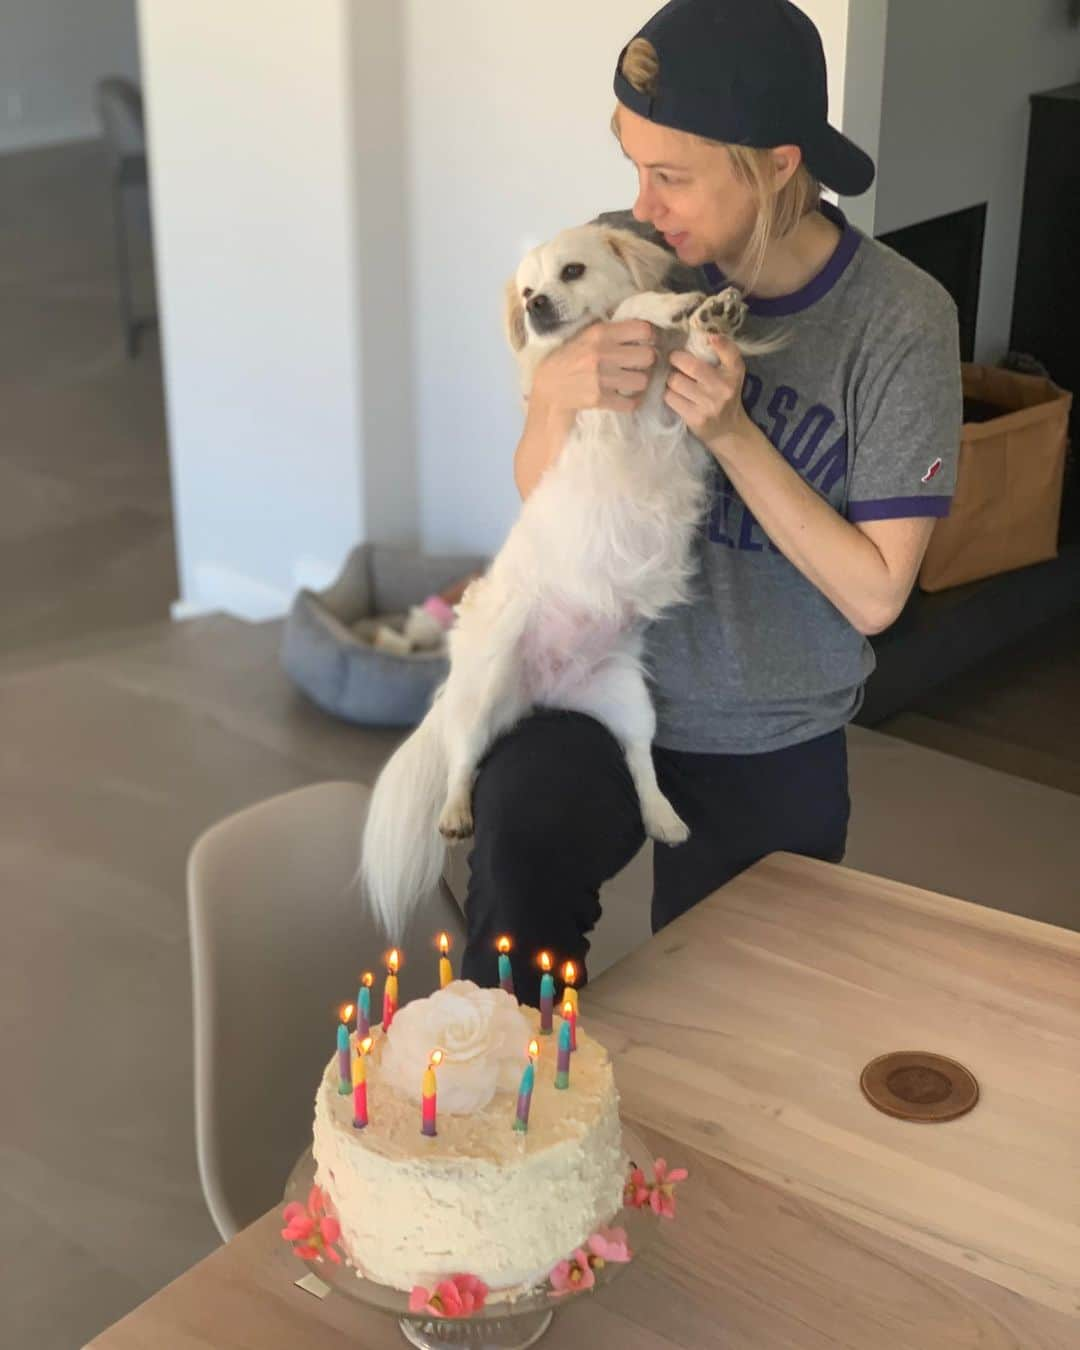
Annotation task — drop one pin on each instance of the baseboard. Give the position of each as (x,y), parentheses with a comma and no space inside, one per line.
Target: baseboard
(220,590)
(16,138)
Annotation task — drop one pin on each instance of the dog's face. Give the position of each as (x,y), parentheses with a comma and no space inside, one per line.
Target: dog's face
(580,276)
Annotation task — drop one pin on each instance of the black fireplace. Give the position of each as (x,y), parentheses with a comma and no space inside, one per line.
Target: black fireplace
(949,248)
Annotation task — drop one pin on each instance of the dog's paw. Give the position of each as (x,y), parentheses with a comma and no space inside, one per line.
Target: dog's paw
(681,307)
(682,314)
(456,821)
(662,822)
(664,309)
(722,313)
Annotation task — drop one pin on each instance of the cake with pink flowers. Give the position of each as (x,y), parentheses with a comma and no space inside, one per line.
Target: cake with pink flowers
(460,1141)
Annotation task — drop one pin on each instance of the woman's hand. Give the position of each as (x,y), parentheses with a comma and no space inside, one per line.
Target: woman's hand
(709,398)
(606,365)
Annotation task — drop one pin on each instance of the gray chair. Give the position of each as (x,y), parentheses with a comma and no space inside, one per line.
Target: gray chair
(279,939)
(120,109)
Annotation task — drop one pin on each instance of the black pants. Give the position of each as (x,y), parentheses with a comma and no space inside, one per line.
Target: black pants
(556,815)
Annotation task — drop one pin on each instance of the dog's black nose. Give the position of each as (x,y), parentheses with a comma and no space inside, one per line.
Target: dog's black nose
(543,316)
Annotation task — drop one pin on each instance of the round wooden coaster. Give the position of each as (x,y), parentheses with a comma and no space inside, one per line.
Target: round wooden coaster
(916,1085)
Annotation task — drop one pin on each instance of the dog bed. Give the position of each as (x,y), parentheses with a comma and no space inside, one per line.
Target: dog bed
(349,677)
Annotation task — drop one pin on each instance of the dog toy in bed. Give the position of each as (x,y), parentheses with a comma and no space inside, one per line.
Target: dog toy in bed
(426,625)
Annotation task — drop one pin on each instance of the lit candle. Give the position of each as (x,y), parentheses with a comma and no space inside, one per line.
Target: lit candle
(547,995)
(569,1013)
(427,1105)
(390,994)
(562,1063)
(525,1091)
(344,1071)
(570,996)
(359,1084)
(506,975)
(363,1005)
(446,973)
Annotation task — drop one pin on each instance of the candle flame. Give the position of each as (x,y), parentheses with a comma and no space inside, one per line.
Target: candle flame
(366,1044)
(444,943)
(393,961)
(570,972)
(346,1012)
(545,961)
(367,979)
(567,1009)
(503,945)
(534,1049)
(436,1059)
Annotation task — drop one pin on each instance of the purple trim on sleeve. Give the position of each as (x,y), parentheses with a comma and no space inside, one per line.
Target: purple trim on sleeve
(816,287)
(897,508)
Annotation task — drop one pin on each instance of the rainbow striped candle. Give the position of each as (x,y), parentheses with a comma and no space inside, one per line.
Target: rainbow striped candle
(359,1082)
(570,996)
(562,1063)
(525,1091)
(506,974)
(390,990)
(363,1005)
(446,971)
(427,1095)
(344,1070)
(547,995)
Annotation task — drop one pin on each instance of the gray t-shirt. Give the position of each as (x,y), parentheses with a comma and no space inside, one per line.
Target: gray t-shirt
(865,403)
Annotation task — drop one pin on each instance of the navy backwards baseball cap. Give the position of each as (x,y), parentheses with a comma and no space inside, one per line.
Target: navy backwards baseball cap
(748,72)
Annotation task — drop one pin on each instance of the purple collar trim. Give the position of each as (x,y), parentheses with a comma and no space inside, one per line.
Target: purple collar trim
(816,287)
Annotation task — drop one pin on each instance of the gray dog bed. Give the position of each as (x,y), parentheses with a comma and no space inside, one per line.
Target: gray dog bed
(344,674)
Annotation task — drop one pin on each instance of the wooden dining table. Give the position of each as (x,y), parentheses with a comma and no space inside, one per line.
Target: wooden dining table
(810,1218)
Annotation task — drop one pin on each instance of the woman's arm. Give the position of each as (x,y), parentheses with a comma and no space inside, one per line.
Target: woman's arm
(605,366)
(868,569)
(542,439)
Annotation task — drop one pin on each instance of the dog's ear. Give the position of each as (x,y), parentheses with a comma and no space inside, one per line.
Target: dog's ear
(514,316)
(647,263)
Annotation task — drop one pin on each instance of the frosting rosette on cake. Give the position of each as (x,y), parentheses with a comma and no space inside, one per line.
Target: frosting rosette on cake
(482,1033)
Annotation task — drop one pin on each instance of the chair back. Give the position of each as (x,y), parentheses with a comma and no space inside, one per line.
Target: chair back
(279,939)
(120,108)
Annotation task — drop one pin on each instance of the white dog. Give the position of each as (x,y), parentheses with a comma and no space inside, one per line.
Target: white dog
(603,545)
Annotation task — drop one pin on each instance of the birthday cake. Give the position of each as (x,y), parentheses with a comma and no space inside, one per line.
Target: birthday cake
(467,1139)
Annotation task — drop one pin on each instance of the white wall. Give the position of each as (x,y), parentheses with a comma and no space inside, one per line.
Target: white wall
(384,285)
(52,52)
(509,143)
(864,74)
(249,118)
(954,123)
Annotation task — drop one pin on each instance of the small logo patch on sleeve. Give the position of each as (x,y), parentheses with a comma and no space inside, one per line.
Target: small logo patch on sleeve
(932,470)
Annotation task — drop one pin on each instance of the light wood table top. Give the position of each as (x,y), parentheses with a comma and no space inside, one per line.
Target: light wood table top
(810,1219)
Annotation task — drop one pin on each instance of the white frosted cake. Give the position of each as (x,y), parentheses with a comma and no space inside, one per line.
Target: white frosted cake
(478,1196)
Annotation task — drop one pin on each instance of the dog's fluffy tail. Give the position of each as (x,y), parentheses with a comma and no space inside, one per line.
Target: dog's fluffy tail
(403,852)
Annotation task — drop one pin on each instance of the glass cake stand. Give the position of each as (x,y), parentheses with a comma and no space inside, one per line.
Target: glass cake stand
(507,1324)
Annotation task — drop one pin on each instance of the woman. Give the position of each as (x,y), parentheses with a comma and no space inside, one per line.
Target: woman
(834,456)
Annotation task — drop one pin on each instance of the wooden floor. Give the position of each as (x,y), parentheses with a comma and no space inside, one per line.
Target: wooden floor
(123,736)
(86,539)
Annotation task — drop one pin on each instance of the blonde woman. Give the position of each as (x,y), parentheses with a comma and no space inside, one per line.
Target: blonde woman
(833,457)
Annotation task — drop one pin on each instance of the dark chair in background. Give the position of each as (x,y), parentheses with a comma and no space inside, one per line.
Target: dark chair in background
(120,108)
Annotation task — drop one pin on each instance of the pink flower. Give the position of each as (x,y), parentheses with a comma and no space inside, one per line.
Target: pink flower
(459,1296)
(573,1274)
(663,1191)
(659,1194)
(608,1244)
(637,1190)
(312,1230)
